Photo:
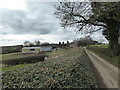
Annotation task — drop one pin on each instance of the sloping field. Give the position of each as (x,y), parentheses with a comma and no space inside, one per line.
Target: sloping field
(62,69)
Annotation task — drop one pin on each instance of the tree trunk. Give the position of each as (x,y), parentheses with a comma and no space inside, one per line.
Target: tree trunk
(113,28)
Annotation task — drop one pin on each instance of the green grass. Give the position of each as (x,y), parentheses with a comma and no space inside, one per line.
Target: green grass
(101,45)
(62,52)
(114,59)
(0,69)
(14,67)
(105,54)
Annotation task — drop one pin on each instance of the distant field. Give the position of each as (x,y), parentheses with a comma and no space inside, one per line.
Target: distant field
(101,45)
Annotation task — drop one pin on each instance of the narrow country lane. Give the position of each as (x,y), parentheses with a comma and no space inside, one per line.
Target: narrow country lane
(108,72)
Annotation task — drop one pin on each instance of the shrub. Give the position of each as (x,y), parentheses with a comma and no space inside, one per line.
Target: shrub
(106,54)
(29,59)
(106,51)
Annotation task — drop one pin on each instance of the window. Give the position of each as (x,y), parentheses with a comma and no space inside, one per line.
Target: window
(32,49)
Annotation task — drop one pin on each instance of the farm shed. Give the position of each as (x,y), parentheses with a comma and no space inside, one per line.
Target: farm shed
(46,48)
(31,49)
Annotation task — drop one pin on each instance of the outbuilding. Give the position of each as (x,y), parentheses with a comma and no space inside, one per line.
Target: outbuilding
(46,48)
(36,49)
(31,49)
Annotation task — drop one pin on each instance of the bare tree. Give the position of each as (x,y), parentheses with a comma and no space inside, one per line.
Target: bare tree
(37,43)
(27,43)
(90,17)
(78,15)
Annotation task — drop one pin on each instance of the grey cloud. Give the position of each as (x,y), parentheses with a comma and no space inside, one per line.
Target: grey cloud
(38,19)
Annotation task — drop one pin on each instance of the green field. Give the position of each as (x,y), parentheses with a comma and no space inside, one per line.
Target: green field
(100,45)
(64,68)
(14,67)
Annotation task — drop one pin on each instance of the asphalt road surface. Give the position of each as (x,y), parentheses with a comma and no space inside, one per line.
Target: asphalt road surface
(108,72)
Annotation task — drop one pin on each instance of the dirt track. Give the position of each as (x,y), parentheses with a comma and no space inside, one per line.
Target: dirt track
(107,71)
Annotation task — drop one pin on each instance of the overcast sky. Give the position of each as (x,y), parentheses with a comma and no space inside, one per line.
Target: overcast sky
(29,21)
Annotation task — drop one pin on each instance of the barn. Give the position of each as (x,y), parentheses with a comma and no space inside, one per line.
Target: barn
(46,48)
(31,49)
(36,49)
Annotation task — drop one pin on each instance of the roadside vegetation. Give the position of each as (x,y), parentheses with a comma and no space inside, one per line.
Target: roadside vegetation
(100,45)
(100,49)
(104,52)
(64,68)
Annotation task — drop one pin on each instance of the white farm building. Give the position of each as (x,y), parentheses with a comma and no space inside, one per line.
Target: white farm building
(36,49)
(31,50)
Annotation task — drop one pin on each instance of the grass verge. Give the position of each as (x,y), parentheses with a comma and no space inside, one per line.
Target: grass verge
(100,45)
(105,54)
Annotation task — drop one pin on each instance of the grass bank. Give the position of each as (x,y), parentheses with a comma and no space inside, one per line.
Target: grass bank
(65,68)
(100,45)
(103,52)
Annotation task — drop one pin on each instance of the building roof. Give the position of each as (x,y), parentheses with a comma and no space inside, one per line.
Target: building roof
(31,47)
(37,47)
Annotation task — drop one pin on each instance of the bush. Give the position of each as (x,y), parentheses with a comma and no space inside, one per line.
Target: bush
(101,50)
(30,59)
(106,54)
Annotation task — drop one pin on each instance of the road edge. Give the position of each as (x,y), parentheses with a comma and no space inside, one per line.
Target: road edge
(98,77)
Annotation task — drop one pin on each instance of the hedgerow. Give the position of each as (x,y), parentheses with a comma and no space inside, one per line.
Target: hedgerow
(28,59)
(105,54)
(61,72)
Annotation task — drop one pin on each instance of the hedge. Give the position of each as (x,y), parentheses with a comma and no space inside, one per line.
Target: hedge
(30,59)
